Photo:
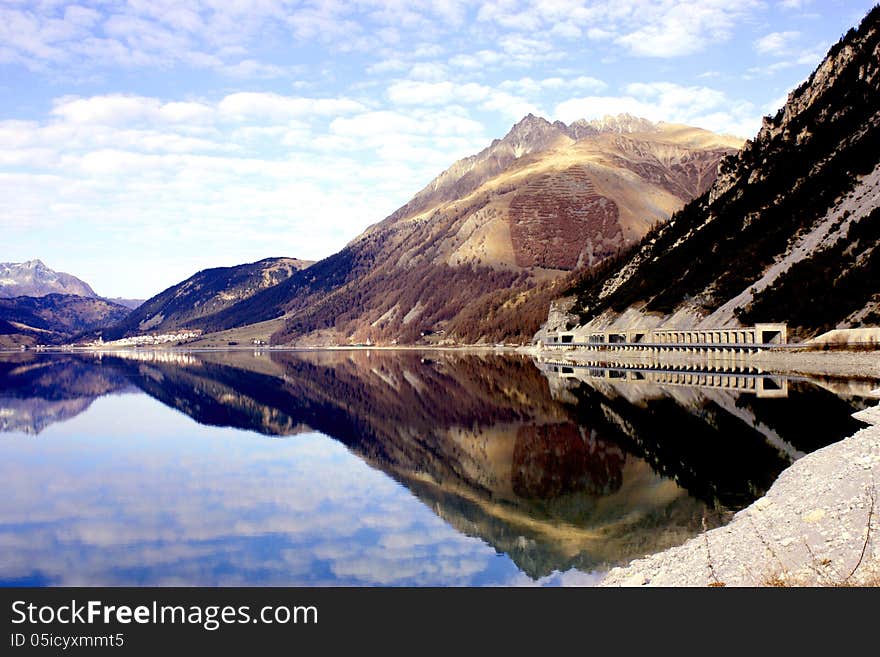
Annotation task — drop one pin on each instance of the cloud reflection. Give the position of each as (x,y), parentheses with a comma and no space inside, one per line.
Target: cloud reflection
(197,505)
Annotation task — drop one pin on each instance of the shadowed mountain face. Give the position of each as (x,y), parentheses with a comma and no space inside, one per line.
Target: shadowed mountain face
(54,318)
(788,232)
(194,302)
(555,473)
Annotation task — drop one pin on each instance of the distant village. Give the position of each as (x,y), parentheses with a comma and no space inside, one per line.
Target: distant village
(147,340)
(133,341)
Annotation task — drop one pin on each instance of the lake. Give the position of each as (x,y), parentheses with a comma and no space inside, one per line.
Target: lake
(379,468)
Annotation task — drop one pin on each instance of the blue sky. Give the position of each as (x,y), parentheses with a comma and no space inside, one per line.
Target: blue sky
(143,140)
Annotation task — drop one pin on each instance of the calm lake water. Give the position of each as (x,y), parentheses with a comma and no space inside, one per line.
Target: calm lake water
(379,468)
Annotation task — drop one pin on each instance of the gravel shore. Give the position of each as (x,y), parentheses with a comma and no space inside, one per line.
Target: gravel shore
(818,525)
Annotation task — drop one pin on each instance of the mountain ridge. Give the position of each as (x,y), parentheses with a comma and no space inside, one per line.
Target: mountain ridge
(203,295)
(531,134)
(54,318)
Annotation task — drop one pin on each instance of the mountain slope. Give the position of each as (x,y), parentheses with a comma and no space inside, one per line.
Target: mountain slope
(490,231)
(34,279)
(789,231)
(475,238)
(193,302)
(54,318)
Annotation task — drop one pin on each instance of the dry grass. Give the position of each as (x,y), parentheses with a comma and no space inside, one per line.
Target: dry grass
(860,347)
(862,574)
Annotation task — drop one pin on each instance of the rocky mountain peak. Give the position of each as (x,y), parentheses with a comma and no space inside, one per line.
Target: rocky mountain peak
(581,129)
(33,278)
(532,134)
(622,124)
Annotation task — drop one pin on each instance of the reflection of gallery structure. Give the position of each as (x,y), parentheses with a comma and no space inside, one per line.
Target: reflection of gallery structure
(736,379)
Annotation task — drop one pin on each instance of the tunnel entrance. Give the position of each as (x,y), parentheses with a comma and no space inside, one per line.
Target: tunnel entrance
(771,337)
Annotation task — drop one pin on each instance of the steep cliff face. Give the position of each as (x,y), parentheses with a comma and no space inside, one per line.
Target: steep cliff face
(789,230)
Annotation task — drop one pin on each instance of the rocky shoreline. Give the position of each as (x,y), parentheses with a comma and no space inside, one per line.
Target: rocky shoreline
(818,525)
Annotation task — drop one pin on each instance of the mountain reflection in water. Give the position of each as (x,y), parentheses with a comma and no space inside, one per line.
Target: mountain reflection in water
(555,470)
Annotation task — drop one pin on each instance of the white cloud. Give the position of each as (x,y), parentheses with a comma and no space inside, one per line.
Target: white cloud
(483,97)
(794,4)
(668,95)
(674,29)
(566,30)
(248,105)
(391,65)
(477,60)
(230,37)
(412,92)
(599,34)
(215,35)
(523,50)
(774,105)
(251,68)
(428,71)
(806,59)
(529,86)
(158,174)
(671,28)
(118,109)
(665,101)
(776,43)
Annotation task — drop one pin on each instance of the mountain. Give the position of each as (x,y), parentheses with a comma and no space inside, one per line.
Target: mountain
(54,318)
(194,302)
(34,279)
(486,243)
(788,232)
